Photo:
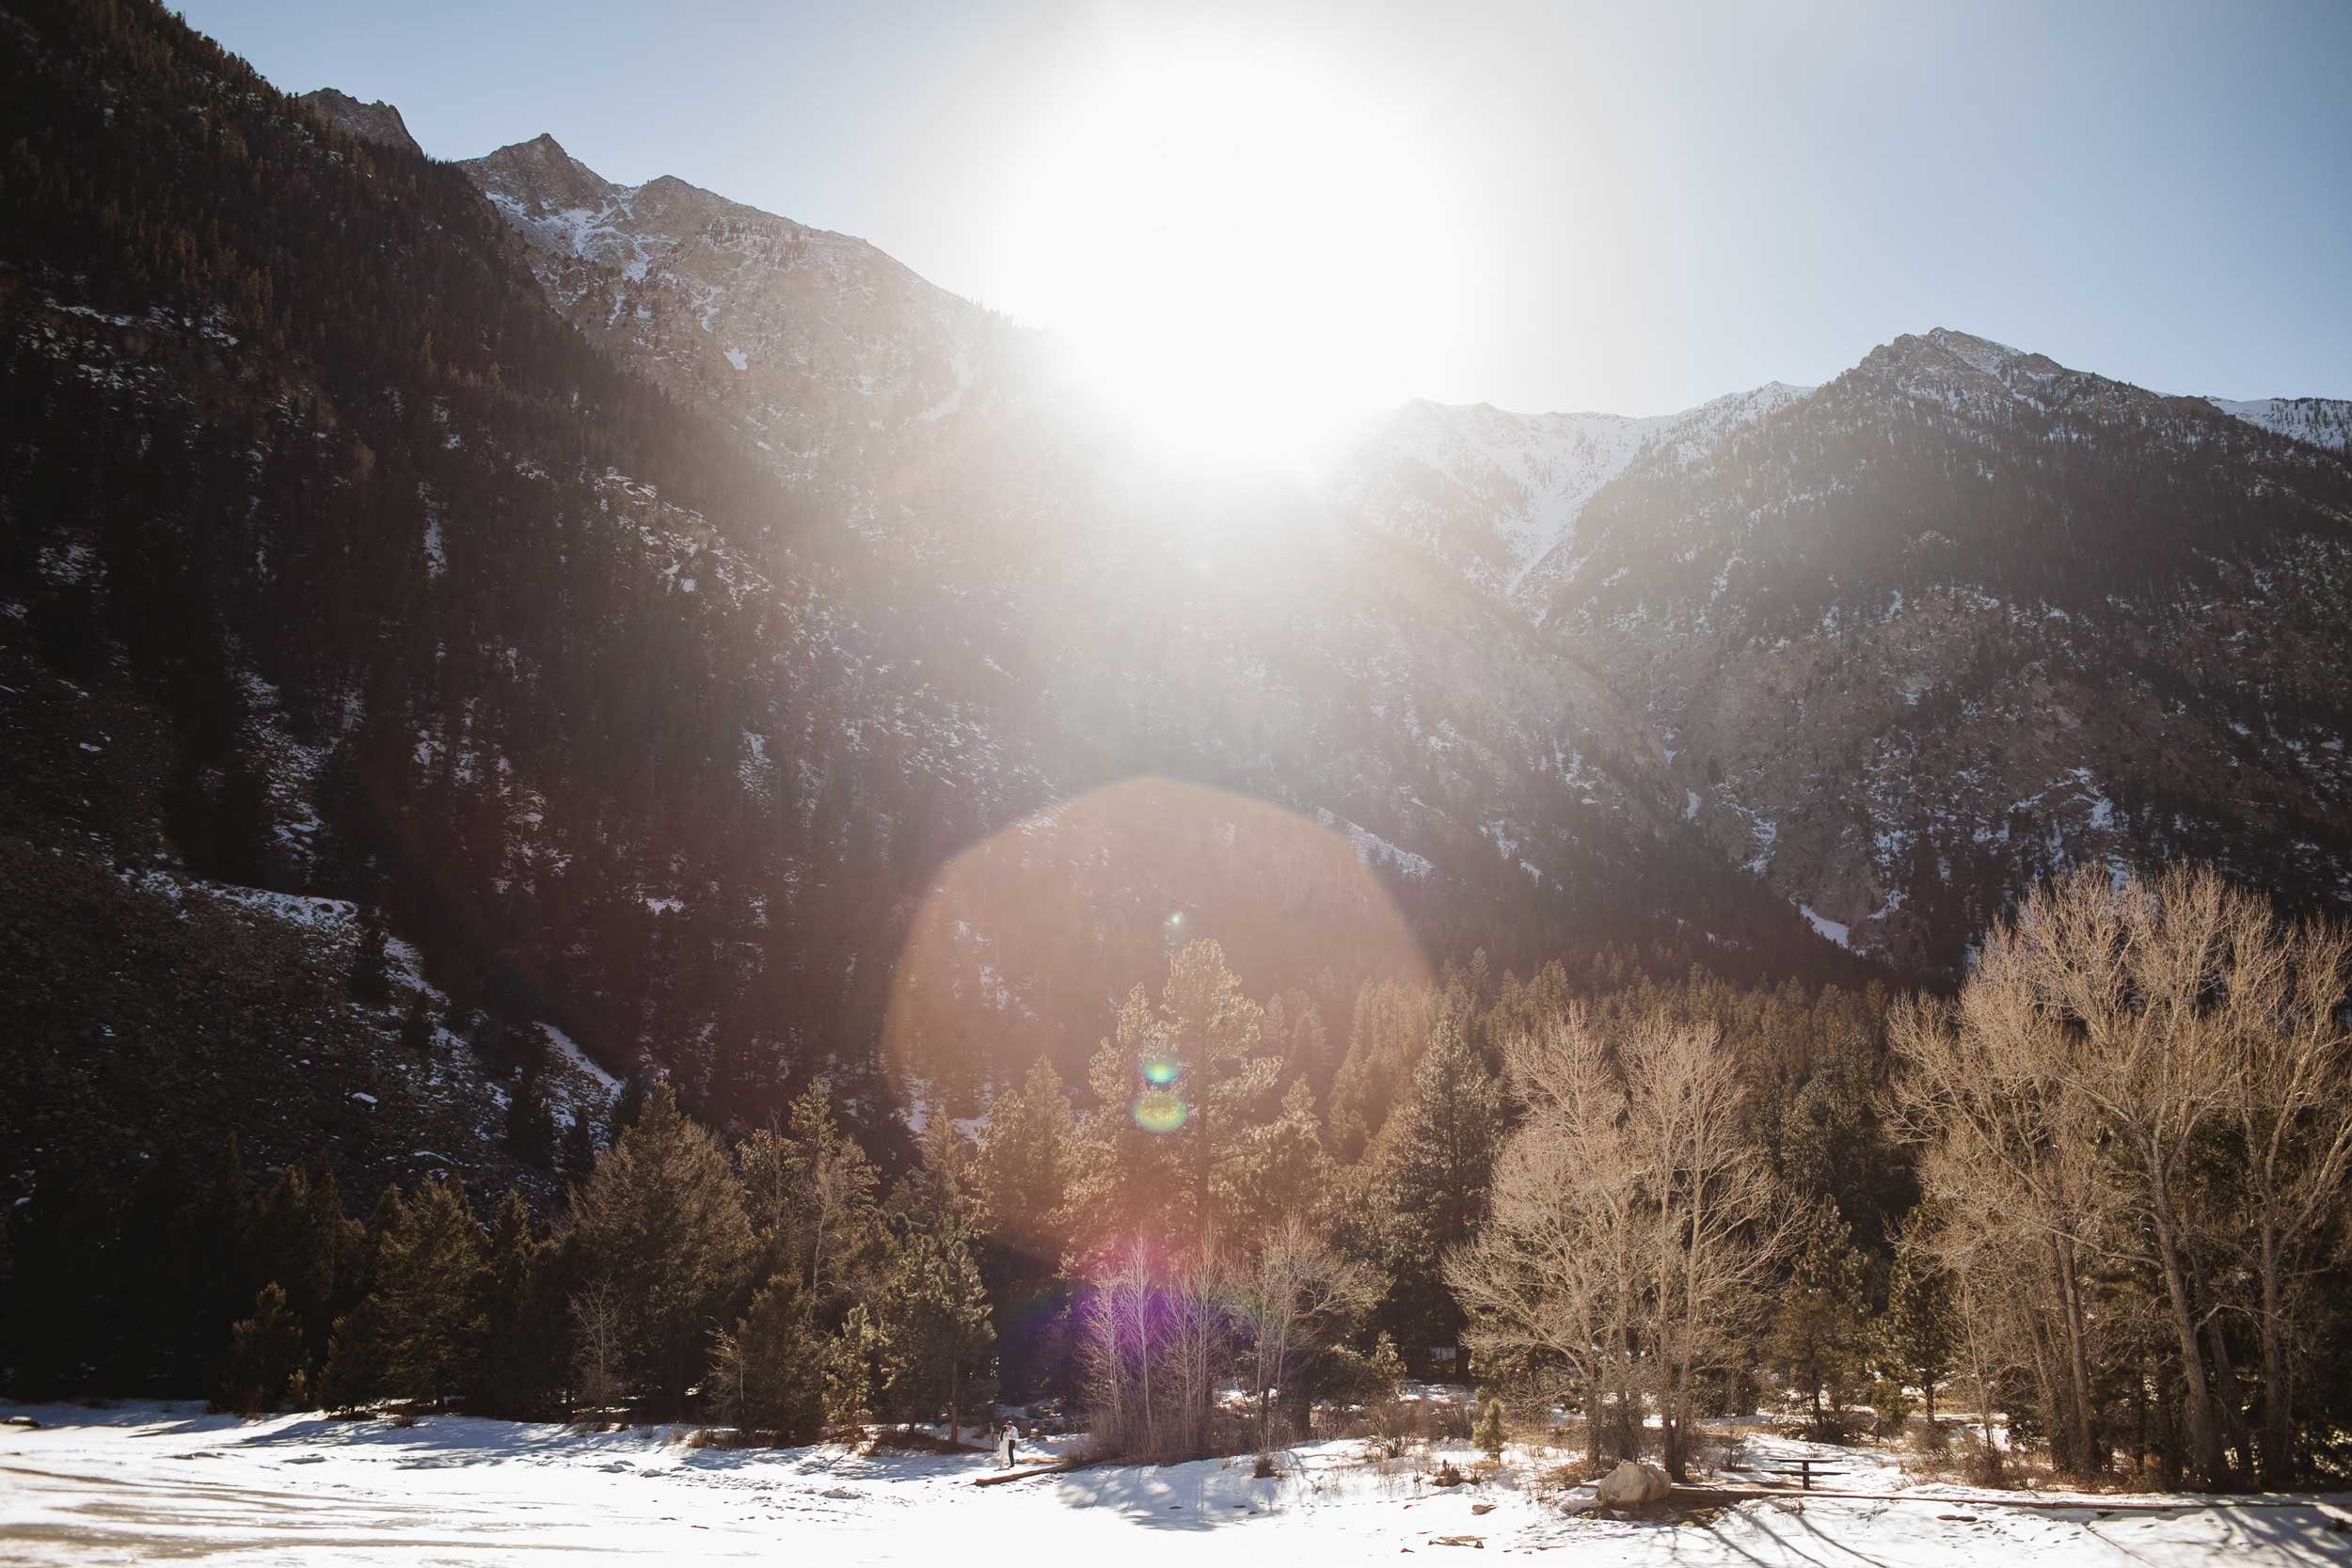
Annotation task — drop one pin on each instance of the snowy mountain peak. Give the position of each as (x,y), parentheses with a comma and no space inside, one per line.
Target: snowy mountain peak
(1982,354)
(540,174)
(377,122)
(1496,494)
(1959,372)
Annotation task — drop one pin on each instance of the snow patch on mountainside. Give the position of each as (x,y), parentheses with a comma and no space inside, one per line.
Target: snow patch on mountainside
(1372,849)
(1496,494)
(2322,422)
(1835,931)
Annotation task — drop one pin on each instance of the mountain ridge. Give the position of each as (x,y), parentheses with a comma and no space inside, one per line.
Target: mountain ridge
(2321,421)
(1901,637)
(380,123)
(820,348)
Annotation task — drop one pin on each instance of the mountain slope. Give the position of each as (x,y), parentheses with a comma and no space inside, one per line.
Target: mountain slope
(2322,422)
(1495,494)
(300,597)
(825,353)
(1964,615)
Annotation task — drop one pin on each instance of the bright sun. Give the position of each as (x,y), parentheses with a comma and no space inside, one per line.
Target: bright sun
(1240,247)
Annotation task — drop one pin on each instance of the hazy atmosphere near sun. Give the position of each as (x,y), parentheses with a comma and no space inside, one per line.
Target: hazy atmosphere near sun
(1541,206)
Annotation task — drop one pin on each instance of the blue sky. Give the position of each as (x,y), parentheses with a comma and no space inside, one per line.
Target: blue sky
(1542,206)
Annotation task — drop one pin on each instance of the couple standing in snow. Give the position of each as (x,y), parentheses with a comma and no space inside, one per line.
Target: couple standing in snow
(1004,1446)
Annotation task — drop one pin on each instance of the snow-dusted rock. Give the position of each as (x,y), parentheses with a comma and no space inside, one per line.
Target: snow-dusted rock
(1634,1483)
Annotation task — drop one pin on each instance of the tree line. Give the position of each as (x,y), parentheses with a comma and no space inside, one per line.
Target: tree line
(781,1279)
(2095,1199)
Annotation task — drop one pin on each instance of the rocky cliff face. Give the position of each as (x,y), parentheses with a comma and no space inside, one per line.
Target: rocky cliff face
(375,122)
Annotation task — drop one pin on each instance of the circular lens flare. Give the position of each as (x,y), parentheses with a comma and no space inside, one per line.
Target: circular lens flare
(1160,1111)
(1026,943)
(1160,1071)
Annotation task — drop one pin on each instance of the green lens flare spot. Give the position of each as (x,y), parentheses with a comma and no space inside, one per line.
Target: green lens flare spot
(1160,1071)
(1160,1111)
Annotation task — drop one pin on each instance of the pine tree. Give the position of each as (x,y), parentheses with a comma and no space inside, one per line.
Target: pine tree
(425,1296)
(1385,1367)
(810,1193)
(1023,1176)
(416,1027)
(1831,1139)
(1024,1165)
(580,1144)
(661,1221)
(1488,1432)
(630,1104)
(945,1184)
(768,1373)
(1391,1025)
(264,1356)
(934,1333)
(355,1372)
(279,1244)
(224,1222)
(1438,1161)
(518,1371)
(1922,1327)
(848,1370)
(389,1213)
(531,1121)
(1817,1337)
(1275,1171)
(1177,1089)
(370,980)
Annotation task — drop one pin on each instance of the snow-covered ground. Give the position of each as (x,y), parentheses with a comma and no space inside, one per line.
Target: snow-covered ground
(156,1481)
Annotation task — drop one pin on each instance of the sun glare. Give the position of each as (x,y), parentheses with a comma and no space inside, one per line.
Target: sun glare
(1242,249)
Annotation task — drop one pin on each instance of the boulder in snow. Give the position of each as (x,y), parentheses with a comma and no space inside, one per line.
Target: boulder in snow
(1634,1485)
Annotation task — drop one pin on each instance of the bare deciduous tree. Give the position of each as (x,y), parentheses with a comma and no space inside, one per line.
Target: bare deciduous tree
(1156,1336)
(1292,1297)
(2285,1066)
(1634,1225)
(1979,1086)
(2115,1044)
(597,1333)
